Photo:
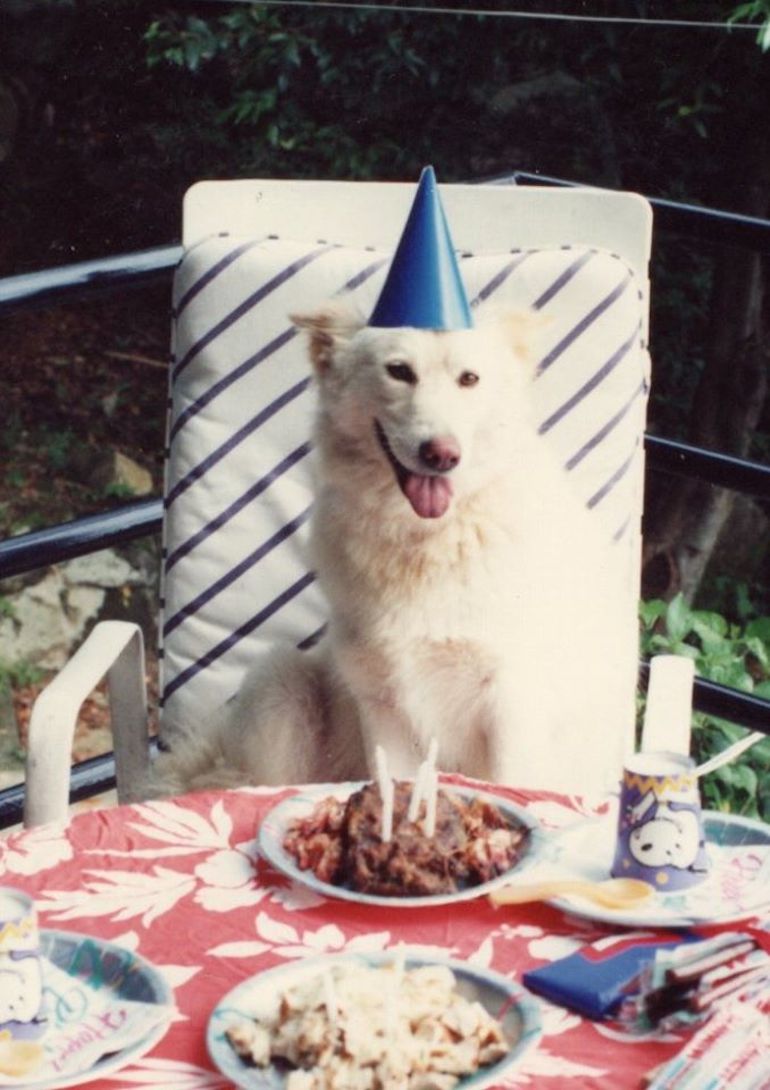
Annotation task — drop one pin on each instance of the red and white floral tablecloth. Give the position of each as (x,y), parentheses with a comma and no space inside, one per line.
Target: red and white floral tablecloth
(181,883)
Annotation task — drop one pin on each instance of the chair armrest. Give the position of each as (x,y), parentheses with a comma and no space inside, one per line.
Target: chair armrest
(114,649)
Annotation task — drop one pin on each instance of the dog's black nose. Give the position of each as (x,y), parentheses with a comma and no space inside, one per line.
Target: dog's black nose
(440,454)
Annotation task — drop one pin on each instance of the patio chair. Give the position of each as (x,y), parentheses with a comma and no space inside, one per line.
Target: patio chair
(237,489)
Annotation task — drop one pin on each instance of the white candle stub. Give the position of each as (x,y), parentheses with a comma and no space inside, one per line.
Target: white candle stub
(431,794)
(422,781)
(418,789)
(668,712)
(385,784)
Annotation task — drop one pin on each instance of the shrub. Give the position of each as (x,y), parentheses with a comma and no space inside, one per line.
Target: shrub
(732,654)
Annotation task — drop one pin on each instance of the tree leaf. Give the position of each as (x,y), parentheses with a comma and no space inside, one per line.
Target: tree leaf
(678,618)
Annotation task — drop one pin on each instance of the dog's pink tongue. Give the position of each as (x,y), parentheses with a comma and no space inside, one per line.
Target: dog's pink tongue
(429,496)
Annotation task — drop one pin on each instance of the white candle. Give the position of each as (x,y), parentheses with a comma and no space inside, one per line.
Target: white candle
(417,792)
(430,802)
(385,785)
(387,813)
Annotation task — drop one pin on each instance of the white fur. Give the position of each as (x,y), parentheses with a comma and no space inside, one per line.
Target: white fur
(501,627)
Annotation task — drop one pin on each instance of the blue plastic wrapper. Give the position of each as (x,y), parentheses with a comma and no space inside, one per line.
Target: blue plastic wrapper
(596,979)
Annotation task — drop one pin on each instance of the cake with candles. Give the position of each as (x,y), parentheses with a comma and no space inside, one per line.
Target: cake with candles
(443,844)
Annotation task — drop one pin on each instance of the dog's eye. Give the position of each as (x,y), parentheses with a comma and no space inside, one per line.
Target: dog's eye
(402,372)
(468,378)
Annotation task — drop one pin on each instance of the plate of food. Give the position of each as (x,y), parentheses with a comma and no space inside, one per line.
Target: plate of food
(371,1020)
(329,837)
(737,885)
(105,1006)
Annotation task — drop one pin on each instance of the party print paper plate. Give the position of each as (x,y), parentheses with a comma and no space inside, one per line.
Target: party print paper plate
(105,1007)
(280,818)
(737,887)
(513,1007)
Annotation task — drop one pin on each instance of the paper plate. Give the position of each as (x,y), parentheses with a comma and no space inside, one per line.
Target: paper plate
(516,1010)
(737,887)
(278,820)
(94,966)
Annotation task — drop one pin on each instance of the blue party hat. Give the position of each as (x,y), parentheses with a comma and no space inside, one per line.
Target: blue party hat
(423,288)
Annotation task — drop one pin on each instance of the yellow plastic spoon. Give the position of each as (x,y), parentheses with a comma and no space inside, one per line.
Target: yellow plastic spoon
(611,893)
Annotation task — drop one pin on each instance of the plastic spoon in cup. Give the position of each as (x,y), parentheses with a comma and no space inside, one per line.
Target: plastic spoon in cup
(611,893)
(726,755)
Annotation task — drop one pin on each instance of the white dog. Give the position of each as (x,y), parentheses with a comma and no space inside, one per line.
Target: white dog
(472,598)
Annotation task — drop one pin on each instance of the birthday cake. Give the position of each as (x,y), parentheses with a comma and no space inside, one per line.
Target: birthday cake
(341,842)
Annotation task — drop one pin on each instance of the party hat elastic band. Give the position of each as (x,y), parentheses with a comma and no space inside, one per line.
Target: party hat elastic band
(423,288)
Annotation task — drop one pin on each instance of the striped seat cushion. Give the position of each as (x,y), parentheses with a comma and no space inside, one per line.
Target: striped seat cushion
(238,482)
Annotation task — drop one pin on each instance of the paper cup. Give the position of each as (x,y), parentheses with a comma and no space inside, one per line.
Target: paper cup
(21,978)
(660,830)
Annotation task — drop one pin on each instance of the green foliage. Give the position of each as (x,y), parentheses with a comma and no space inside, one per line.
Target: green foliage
(755,9)
(58,446)
(7,610)
(119,490)
(319,92)
(731,654)
(331,93)
(19,674)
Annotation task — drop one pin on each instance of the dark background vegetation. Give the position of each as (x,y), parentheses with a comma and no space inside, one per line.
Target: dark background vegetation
(110,109)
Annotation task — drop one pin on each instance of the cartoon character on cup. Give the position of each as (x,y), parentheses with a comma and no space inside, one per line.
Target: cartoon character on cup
(665,835)
(21,975)
(660,829)
(21,989)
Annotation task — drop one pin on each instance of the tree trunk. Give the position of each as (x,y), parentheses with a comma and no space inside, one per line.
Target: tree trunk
(726,409)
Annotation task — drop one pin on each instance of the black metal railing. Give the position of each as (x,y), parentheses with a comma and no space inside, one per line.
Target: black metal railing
(709,225)
(84,280)
(41,548)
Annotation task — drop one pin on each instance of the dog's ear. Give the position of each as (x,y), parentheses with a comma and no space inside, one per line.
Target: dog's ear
(521,329)
(329,328)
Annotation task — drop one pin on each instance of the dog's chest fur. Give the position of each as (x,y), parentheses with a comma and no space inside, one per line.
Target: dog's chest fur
(378,570)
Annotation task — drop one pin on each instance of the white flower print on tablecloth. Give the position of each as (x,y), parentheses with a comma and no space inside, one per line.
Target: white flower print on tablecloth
(542,1061)
(42,848)
(119,895)
(176,831)
(173,871)
(153,1072)
(288,942)
(223,880)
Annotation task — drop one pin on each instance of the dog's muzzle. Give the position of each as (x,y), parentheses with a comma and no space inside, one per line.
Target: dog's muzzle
(429,494)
